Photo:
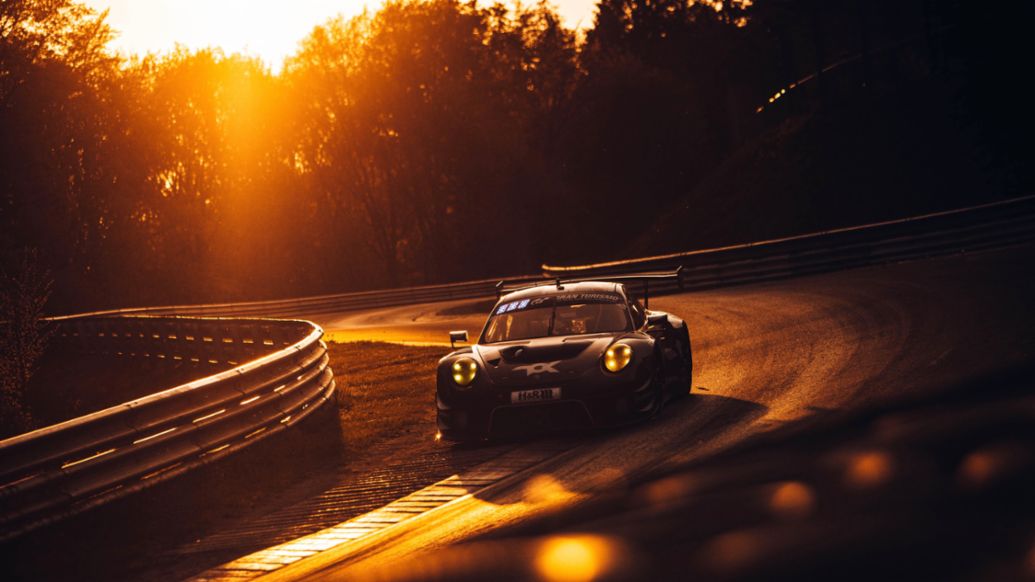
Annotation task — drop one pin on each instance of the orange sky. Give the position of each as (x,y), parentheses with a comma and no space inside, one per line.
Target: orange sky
(268,29)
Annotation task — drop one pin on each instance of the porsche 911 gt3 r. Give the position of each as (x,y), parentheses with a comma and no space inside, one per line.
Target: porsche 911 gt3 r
(561,356)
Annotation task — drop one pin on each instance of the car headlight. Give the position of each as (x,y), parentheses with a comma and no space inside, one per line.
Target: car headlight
(464,371)
(617,357)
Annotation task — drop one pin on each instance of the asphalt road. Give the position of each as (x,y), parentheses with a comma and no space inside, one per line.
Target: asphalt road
(765,355)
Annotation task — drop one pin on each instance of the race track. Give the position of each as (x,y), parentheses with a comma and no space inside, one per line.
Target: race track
(764,354)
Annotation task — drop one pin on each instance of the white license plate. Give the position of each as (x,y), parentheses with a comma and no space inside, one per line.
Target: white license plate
(537,395)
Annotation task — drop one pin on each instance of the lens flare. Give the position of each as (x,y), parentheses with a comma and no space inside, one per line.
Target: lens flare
(869,469)
(792,500)
(575,558)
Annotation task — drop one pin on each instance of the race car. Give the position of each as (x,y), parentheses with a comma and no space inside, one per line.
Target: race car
(562,355)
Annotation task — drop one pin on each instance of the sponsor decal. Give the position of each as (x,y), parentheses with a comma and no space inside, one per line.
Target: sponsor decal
(559,299)
(512,306)
(539,368)
(588,298)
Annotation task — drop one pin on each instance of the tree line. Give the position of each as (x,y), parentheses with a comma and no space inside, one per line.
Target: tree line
(431,140)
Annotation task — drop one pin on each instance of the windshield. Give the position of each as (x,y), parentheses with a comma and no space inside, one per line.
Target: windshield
(571,314)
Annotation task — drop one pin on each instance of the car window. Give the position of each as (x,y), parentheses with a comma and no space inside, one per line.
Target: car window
(556,316)
(639,314)
(518,325)
(589,318)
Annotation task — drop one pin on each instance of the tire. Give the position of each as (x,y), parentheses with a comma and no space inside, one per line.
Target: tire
(658,386)
(687,368)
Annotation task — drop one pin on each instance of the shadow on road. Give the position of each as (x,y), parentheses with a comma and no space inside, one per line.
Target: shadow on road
(608,460)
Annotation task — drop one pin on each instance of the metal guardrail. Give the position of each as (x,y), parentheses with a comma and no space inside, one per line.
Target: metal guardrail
(280,375)
(986,226)
(981,227)
(328,303)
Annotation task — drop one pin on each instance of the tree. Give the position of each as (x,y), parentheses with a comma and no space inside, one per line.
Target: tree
(23,337)
(53,65)
(416,112)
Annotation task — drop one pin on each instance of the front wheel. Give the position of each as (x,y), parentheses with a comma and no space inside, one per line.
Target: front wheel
(686,366)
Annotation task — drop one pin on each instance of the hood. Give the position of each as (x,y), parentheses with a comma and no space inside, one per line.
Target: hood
(542,361)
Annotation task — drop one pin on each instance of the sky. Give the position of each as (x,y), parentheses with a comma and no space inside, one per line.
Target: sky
(269,29)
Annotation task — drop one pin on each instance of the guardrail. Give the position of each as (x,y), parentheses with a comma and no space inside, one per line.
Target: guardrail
(280,375)
(969,229)
(328,303)
(979,227)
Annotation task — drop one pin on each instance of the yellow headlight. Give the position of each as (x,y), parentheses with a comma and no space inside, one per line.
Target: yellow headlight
(617,357)
(464,371)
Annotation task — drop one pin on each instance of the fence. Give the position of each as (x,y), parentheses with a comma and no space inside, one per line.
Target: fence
(279,375)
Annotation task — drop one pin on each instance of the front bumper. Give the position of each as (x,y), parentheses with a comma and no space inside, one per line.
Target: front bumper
(487,412)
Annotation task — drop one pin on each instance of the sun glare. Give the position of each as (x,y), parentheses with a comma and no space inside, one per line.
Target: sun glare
(265,29)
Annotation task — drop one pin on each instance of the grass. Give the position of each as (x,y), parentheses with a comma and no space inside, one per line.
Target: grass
(384,390)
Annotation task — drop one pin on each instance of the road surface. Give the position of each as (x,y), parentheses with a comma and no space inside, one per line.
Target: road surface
(765,355)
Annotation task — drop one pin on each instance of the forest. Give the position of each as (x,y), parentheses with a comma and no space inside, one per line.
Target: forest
(438,140)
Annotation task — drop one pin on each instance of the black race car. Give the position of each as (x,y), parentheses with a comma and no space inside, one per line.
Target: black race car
(562,355)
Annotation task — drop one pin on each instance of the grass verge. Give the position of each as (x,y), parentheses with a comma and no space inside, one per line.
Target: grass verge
(384,390)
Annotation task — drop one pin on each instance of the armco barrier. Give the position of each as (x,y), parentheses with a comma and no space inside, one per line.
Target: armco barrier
(279,375)
(328,303)
(970,229)
(987,226)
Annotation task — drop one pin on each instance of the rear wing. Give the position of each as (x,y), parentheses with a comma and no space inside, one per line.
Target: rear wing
(645,278)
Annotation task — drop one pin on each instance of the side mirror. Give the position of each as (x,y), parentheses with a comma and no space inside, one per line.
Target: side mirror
(457,336)
(655,319)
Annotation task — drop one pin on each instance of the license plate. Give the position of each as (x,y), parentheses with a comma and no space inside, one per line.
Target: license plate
(536,395)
